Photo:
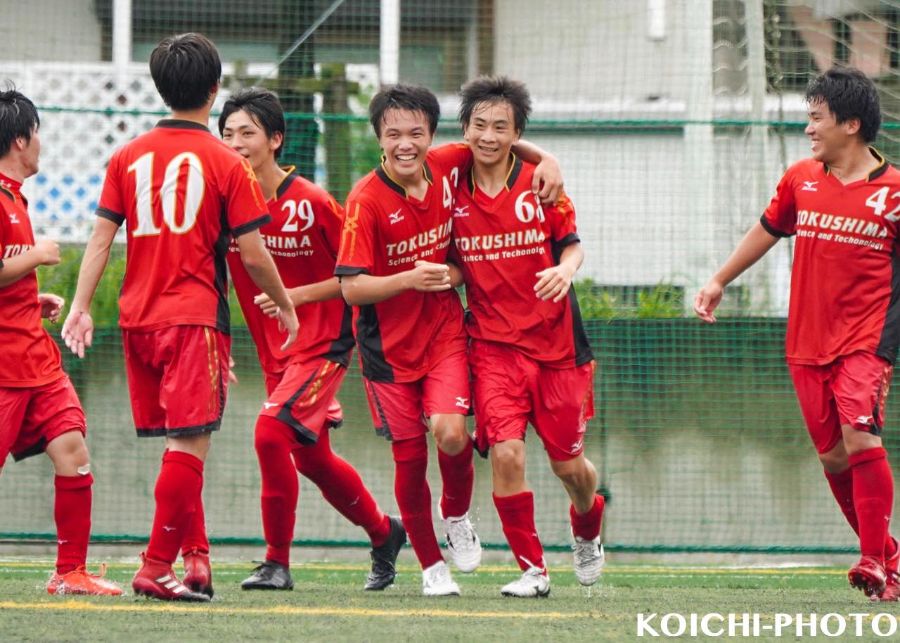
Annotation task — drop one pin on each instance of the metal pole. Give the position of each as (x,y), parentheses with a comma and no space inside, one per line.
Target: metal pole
(389,51)
(121,35)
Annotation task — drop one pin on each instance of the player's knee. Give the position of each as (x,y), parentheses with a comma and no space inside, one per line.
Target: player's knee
(452,439)
(856,440)
(572,473)
(69,452)
(311,461)
(508,459)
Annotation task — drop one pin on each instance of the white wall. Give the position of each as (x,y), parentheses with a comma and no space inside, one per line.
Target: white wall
(50,30)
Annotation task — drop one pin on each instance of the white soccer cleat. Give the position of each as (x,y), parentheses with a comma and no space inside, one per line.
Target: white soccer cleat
(436,581)
(589,559)
(463,543)
(534,584)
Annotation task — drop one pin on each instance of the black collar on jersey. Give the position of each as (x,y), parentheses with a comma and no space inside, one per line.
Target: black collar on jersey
(874,174)
(382,173)
(512,176)
(286,181)
(8,192)
(177,123)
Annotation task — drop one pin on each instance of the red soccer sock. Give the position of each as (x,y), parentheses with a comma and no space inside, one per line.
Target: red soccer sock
(458,475)
(517,518)
(342,487)
(873,497)
(414,498)
(72,512)
(587,525)
(177,493)
(842,489)
(280,487)
(196,538)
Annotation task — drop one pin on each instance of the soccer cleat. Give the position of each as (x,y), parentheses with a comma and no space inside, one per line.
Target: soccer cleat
(384,558)
(80,581)
(868,575)
(463,543)
(589,560)
(197,573)
(891,592)
(269,575)
(156,579)
(534,583)
(436,581)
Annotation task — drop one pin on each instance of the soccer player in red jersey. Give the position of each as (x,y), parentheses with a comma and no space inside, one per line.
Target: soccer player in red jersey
(409,321)
(292,431)
(39,409)
(183,194)
(529,354)
(843,330)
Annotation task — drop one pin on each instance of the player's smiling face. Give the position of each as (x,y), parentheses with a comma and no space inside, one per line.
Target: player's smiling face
(828,138)
(247,137)
(491,132)
(405,139)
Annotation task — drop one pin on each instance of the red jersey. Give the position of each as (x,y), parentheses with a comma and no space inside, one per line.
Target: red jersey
(182,193)
(845,279)
(28,356)
(303,239)
(385,232)
(500,243)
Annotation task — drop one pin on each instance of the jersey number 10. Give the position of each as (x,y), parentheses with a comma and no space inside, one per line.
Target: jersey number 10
(191,186)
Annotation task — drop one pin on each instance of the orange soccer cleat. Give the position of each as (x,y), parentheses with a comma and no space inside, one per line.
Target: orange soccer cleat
(80,581)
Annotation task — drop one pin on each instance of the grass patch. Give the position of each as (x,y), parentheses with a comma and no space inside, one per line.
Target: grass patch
(329,604)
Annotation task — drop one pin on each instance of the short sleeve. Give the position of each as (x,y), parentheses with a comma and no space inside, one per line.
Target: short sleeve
(356,255)
(561,217)
(331,218)
(780,218)
(245,206)
(451,155)
(112,202)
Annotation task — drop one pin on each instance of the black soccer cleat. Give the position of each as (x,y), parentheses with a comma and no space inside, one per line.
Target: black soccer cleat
(384,558)
(269,575)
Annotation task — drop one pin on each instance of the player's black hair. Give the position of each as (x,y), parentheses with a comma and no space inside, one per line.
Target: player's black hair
(186,69)
(495,89)
(411,98)
(18,118)
(849,94)
(263,106)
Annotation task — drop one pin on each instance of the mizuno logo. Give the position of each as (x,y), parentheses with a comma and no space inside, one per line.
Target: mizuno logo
(462,402)
(577,445)
(461,211)
(809,186)
(864,419)
(395,217)
(13,218)
(269,405)
(167,528)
